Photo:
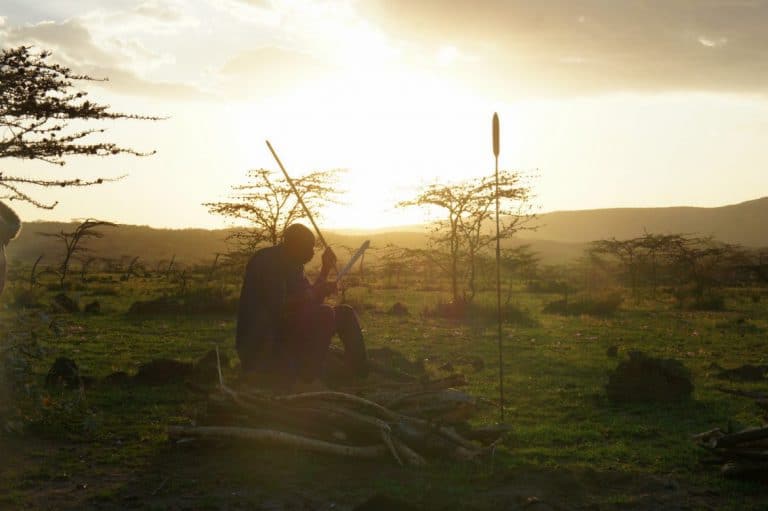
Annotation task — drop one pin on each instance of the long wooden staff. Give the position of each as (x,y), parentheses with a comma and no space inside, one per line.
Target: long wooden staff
(498,266)
(298,195)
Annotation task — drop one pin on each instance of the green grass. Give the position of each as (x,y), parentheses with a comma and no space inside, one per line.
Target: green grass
(554,400)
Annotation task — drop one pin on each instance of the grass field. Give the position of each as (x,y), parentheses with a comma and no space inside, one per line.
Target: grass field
(106,447)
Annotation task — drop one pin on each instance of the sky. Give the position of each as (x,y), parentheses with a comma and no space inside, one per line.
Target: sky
(603,103)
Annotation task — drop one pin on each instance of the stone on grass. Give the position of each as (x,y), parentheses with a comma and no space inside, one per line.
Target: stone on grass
(64,303)
(642,378)
(63,373)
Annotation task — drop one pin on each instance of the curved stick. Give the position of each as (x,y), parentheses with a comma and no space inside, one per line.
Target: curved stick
(341,396)
(277,437)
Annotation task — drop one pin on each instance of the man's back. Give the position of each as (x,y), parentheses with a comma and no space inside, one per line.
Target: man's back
(269,279)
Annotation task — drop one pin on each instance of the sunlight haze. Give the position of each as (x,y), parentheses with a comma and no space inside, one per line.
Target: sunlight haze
(612,105)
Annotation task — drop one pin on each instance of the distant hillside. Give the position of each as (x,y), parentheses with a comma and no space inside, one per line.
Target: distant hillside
(743,223)
(561,236)
(188,245)
(193,246)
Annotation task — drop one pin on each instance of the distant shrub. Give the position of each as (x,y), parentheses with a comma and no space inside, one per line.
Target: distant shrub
(740,325)
(157,306)
(689,298)
(545,286)
(358,303)
(206,300)
(27,298)
(103,290)
(209,300)
(604,305)
(482,312)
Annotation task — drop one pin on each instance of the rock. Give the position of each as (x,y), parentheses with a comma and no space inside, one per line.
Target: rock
(64,303)
(747,372)
(117,378)
(93,308)
(63,373)
(162,305)
(398,309)
(644,378)
(162,371)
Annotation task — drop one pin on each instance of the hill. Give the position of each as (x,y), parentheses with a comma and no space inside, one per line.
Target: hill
(742,223)
(561,235)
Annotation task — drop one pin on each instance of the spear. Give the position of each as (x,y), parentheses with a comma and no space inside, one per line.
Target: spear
(498,265)
(298,195)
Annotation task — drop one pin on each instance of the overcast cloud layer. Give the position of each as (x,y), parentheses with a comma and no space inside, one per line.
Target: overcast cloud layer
(505,48)
(595,45)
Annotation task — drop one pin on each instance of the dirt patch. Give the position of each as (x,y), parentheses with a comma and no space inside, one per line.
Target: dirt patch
(40,474)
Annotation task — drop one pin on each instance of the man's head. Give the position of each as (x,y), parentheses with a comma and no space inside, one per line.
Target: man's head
(10,225)
(299,244)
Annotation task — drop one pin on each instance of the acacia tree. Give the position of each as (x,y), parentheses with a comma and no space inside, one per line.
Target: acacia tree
(72,241)
(38,101)
(469,207)
(629,252)
(268,204)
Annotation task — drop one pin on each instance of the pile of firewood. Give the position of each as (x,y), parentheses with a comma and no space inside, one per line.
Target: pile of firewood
(412,421)
(742,455)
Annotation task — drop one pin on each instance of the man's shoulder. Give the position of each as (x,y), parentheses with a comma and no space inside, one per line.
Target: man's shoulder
(266,256)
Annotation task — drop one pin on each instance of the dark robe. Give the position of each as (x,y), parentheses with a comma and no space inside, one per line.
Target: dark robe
(284,335)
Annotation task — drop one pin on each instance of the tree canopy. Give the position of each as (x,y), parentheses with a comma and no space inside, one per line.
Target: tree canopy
(38,102)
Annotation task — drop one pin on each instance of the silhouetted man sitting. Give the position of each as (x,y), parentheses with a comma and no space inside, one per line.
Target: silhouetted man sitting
(283,327)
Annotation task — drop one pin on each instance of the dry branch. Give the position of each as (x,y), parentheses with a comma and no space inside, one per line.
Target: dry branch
(267,436)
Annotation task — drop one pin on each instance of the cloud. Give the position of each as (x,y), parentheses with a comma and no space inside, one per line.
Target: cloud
(163,12)
(564,46)
(269,69)
(73,45)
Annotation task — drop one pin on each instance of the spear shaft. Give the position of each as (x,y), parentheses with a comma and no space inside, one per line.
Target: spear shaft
(298,195)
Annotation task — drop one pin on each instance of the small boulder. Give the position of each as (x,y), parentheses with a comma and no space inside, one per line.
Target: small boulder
(63,373)
(93,308)
(117,378)
(64,303)
(398,309)
(162,371)
(645,378)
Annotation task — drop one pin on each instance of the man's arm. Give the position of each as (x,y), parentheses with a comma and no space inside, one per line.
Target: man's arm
(322,288)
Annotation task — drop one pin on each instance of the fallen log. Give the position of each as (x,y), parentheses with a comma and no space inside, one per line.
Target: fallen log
(411,456)
(744,470)
(382,412)
(747,435)
(268,436)
(742,393)
(321,419)
(743,454)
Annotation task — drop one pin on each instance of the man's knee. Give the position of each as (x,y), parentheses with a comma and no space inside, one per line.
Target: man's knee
(345,315)
(325,318)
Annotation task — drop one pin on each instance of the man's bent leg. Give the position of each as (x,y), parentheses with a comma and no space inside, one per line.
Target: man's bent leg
(313,337)
(351,335)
